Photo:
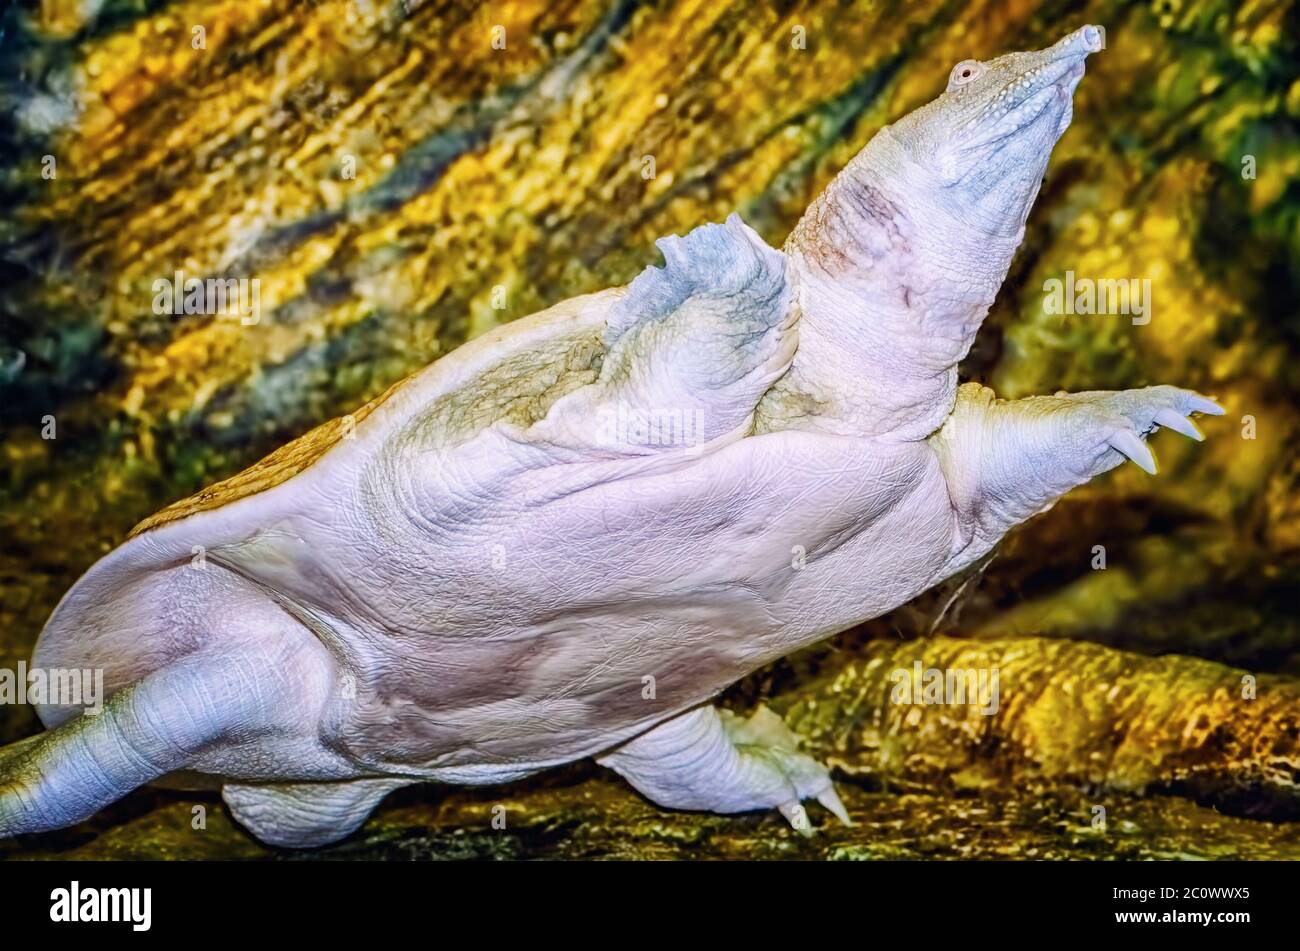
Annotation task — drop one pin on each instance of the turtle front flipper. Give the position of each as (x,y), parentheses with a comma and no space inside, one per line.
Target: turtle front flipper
(690,348)
(712,760)
(1005,461)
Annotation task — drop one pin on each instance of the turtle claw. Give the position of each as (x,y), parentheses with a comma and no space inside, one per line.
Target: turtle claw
(831,800)
(797,816)
(1127,442)
(1172,419)
(1203,404)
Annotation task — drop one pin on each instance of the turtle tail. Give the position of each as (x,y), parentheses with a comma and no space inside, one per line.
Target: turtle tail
(153,727)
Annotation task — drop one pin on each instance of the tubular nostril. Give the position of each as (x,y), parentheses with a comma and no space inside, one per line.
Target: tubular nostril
(1083,41)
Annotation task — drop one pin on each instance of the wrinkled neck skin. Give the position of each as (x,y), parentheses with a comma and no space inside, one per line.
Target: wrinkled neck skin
(892,288)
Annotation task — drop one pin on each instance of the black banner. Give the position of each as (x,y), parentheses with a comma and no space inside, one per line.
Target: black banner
(926,901)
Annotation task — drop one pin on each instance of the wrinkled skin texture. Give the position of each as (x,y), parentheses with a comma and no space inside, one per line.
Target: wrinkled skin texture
(499,571)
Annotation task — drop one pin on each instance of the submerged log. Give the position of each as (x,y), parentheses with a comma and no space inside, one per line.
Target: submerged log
(586,813)
(1050,713)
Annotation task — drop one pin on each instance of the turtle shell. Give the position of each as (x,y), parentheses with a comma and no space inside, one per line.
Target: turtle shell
(280,466)
(109,617)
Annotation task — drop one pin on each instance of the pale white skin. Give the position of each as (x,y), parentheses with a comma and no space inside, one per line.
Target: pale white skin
(487,580)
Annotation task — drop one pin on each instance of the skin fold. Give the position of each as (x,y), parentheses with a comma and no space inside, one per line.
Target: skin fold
(563,539)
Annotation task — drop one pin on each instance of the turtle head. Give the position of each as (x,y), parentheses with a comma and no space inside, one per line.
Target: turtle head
(901,256)
(986,140)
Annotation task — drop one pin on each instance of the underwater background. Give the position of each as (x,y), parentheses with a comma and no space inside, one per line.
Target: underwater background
(399,183)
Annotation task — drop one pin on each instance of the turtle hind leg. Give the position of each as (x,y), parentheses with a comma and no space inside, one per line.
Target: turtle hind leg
(305,815)
(150,728)
(11,753)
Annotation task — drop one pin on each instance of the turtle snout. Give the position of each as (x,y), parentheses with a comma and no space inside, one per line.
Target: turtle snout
(1080,43)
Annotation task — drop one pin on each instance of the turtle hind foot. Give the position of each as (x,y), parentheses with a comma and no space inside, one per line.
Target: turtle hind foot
(306,815)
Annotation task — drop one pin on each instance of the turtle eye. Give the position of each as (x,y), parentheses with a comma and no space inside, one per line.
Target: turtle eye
(965,72)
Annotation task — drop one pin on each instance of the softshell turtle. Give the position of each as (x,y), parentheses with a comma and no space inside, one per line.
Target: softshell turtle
(563,539)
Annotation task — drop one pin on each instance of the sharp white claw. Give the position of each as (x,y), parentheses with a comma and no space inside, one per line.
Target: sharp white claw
(1202,404)
(1127,442)
(831,800)
(797,816)
(1172,419)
